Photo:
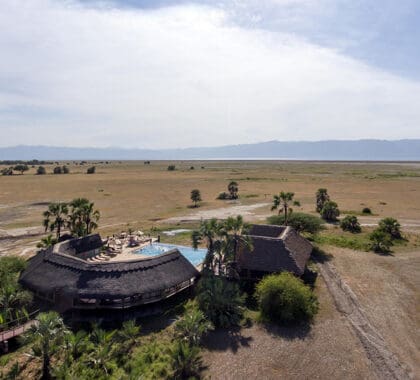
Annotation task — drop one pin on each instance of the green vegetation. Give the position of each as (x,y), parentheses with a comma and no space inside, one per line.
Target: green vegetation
(14,301)
(330,211)
(220,300)
(21,168)
(358,243)
(284,298)
(233,189)
(47,241)
(7,171)
(381,241)
(91,170)
(390,226)
(79,216)
(171,168)
(321,198)
(195,196)
(41,170)
(300,221)
(367,210)
(282,203)
(351,224)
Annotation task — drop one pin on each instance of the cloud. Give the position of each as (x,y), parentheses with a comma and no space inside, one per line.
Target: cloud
(185,75)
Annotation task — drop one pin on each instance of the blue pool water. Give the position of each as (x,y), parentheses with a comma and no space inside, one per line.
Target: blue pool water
(194,256)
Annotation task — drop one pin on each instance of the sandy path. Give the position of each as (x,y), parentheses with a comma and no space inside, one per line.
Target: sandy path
(383,360)
(247,211)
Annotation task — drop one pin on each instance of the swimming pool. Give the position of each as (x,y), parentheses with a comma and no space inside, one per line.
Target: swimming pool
(194,256)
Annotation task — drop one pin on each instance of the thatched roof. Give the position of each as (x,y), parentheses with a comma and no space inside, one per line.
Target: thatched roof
(49,271)
(275,249)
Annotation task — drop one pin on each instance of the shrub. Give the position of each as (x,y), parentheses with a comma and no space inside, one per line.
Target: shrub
(91,170)
(391,226)
(300,221)
(380,241)
(66,170)
(223,195)
(41,170)
(321,198)
(58,170)
(366,210)
(285,298)
(330,211)
(171,168)
(193,325)
(21,168)
(7,171)
(220,300)
(351,224)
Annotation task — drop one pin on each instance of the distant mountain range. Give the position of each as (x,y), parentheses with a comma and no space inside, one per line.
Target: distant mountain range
(348,150)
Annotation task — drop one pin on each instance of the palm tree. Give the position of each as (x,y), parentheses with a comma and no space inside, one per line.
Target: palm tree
(195,196)
(47,242)
(83,218)
(233,189)
(282,203)
(208,231)
(13,301)
(55,217)
(235,231)
(46,335)
(186,360)
(101,356)
(128,334)
(321,197)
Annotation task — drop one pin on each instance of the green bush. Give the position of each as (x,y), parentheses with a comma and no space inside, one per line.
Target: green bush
(300,221)
(66,170)
(366,210)
(223,196)
(220,300)
(171,168)
(58,170)
(330,211)
(380,241)
(391,227)
(41,170)
(284,298)
(91,170)
(351,224)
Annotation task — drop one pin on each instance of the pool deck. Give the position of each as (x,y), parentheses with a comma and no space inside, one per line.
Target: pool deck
(127,253)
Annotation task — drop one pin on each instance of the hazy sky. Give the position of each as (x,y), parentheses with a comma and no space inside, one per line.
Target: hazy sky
(158,74)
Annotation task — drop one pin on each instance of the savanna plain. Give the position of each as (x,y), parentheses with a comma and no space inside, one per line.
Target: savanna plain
(385,289)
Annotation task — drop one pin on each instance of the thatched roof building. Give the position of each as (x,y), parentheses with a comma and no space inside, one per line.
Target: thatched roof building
(275,249)
(59,275)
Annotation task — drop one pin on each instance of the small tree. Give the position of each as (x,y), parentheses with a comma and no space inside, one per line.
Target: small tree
(391,226)
(282,203)
(41,170)
(7,171)
(65,169)
(233,189)
(285,298)
(171,168)
(330,211)
(58,170)
(321,197)
(366,210)
(21,168)
(380,241)
(351,224)
(195,196)
(91,170)
(186,361)
(193,325)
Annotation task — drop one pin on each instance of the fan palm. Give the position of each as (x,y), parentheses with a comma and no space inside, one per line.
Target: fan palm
(55,217)
(282,203)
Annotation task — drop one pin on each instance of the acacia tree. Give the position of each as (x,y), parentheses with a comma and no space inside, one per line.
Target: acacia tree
(282,203)
(195,196)
(21,168)
(321,197)
(233,189)
(55,217)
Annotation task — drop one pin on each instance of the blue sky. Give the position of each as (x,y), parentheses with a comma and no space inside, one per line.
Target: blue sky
(139,73)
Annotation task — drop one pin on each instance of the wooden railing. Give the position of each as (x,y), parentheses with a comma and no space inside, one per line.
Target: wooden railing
(17,326)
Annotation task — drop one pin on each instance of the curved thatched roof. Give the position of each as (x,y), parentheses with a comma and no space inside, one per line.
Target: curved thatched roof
(49,271)
(275,249)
